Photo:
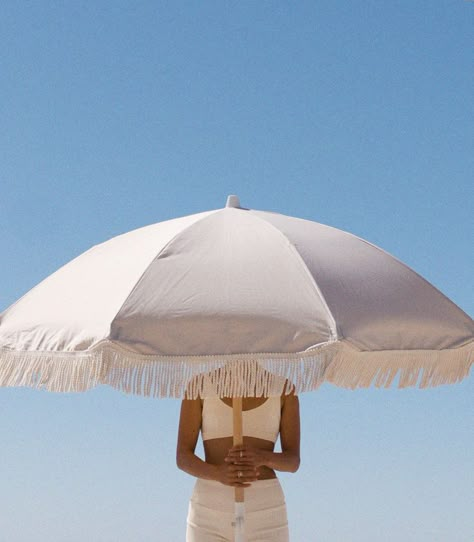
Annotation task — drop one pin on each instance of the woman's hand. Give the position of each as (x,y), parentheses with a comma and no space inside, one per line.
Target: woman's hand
(246,457)
(234,474)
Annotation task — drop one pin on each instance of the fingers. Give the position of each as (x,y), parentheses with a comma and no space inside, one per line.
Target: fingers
(240,452)
(237,474)
(239,448)
(240,460)
(243,479)
(241,455)
(241,475)
(242,471)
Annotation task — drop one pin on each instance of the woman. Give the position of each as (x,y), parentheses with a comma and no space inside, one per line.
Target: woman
(252,466)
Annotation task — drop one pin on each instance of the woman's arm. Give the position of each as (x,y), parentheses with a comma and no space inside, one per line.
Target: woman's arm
(188,434)
(288,460)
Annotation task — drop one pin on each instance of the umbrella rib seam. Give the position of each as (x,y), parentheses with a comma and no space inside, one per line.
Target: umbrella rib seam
(138,282)
(333,326)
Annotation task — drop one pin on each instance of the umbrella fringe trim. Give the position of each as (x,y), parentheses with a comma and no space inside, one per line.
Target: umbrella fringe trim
(229,376)
(213,375)
(422,368)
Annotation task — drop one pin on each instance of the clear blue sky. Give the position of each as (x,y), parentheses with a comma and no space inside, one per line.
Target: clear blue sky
(119,114)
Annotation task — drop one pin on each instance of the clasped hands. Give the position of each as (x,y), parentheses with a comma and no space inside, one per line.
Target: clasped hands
(240,467)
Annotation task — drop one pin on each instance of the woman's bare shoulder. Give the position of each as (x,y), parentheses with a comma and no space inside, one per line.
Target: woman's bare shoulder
(288,394)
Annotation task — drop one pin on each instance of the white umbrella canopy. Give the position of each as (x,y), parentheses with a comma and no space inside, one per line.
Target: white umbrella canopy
(264,295)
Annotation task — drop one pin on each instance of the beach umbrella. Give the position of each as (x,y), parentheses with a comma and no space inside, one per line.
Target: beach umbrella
(250,297)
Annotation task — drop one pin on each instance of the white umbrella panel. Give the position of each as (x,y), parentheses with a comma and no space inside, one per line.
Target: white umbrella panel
(148,311)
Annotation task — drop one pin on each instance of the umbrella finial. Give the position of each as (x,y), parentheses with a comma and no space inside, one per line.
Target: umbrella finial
(233,201)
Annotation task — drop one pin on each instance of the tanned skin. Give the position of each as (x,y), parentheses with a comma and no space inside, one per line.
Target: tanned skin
(255,459)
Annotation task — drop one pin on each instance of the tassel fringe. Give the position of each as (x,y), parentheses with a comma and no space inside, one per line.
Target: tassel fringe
(232,375)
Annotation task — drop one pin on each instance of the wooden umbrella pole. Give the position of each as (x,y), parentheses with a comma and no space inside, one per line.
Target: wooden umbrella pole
(239,535)
(238,437)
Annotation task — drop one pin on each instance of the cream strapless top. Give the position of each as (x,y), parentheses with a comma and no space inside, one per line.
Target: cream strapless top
(262,422)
